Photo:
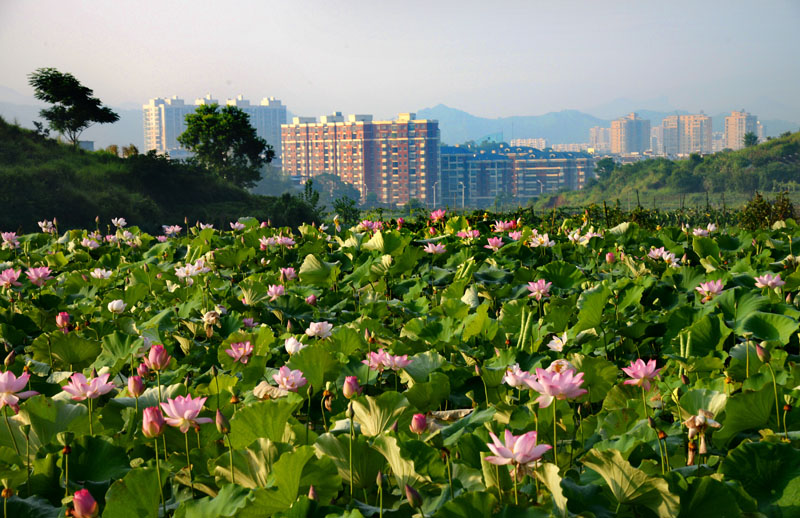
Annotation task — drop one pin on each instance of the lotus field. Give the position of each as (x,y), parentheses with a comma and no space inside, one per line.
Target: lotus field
(449,366)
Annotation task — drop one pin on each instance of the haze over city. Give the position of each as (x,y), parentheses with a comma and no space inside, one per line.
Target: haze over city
(518,58)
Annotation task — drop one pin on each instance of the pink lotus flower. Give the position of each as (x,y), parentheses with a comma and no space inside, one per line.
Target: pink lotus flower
(142,370)
(274,291)
(521,449)
(494,243)
(539,289)
(376,360)
(542,240)
(351,387)
(236,226)
(700,232)
(240,352)
(709,290)
(468,234)
(311,300)
(286,241)
(400,222)
(80,388)
(39,276)
(172,230)
(502,226)
(84,505)
(396,363)
(153,422)
(118,222)
(135,386)
(319,329)
(556,385)
(117,306)
(249,322)
(641,373)
(419,423)
(438,215)
(292,345)
(62,321)
(432,231)
(768,281)
(611,258)
(48,227)
(436,249)
(10,387)
(161,239)
(10,239)
(265,242)
(100,273)
(157,359)
(515,377)
(515,235)
(288,274)
(560,365)
(289,379)
(182,412)
(9,278)
(656,253)
(90,243)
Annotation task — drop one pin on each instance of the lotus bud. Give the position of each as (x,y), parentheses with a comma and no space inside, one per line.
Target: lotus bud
(349,412)
(84,505)
(762,353)
(432,231)
(223,426)
(214,370)
(135,386)
(394,427)
(157,359)
(311,300)
(684,379)
(351,387)
(400,222)
(651,422)
(380,479)
(116,306)
(9,361)
(289,326)
(142,370)
(153,422)
(419,423)
(62,321)
(312,493)
(611,258)
(414,500)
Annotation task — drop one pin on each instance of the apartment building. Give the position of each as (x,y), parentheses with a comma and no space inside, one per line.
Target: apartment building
(737,125)
(686,134)
(630,134)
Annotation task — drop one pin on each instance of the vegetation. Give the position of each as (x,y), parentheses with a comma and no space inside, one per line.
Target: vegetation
(446,367)
(74,109)
(768,167)
(226,144)
(44,179)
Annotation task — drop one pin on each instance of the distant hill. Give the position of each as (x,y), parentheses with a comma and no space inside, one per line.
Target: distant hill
(562,127)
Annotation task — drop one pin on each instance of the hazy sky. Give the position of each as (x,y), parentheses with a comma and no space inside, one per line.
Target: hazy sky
(489,58)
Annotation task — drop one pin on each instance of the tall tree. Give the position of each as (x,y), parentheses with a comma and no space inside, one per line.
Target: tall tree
(225,143)
(74,107)
(750,139)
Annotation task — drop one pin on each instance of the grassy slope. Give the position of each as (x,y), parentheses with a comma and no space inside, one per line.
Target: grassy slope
(44,179)
(771,166)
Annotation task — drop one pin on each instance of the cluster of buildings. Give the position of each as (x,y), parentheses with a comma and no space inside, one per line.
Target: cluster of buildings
(395,161)
(676,136)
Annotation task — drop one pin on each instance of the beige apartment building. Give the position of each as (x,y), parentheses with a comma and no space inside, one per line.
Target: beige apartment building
(686,134)
(630,134)
(737,124)
(600,139)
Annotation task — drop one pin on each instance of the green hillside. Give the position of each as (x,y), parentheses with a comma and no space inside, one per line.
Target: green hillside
(42,179)
(769,167)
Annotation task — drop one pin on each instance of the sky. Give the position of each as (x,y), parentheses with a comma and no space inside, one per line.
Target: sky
(491,59)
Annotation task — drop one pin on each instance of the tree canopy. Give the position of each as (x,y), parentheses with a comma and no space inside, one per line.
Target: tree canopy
(224,142)
(74,107)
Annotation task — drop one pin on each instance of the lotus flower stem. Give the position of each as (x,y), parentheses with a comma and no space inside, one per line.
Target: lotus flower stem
(189,463)
(499,488)
(516,472)
(65,464)
(158,473)
(351,458)
(10,432)
(777,407)
(449,474)
(230,456)
(555,442)
(380,501)
(28,459)
(89,403)
(644,404)
(158,382)
(216,380)
(785,433)
(308,411)
(747,359)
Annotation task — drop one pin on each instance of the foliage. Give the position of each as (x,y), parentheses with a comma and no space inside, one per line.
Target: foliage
(224,142)
(74,109)
(760,213)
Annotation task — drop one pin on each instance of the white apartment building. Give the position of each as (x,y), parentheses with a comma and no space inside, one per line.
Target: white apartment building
(165,119)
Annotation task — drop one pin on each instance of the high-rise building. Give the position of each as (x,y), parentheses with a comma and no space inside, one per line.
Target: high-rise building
(600,139)
(538,143)
(536,172)
(165,119)
(686,134)
(630,134)
(395,160)
(657,140)
(266,118)
(737,125)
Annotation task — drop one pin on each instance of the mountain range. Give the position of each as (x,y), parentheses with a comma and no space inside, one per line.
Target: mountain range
(456,126)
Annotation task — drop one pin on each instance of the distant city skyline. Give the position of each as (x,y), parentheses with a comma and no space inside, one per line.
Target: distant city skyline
(517,58)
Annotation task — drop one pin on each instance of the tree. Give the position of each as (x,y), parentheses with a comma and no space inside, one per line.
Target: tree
(604,167)
(74,109)
(113,149)
(129,151)
(330,187)
(750,139)
(224,142)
